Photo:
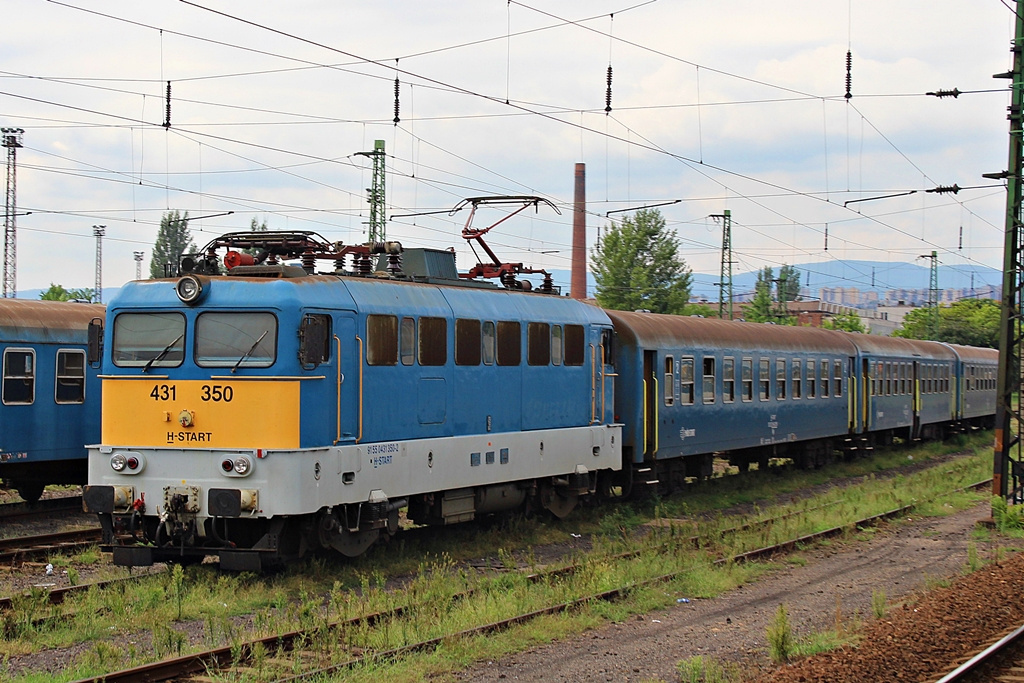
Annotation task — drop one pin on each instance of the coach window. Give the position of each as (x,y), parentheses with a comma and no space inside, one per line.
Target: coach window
(433,342)
(510,343)
(148,340)
(709,379)
(812,377)
(70,386)
(686,381)
(236,340)
(669,379)
(467,341)
(556,344)
(19,376)
(747,379)
(487,340)
(780,378)
(888,379)
(837,378)
(382,340)
(797,377)
(824,377)
(764,378)
(574,346)
(538,343)
(728,380)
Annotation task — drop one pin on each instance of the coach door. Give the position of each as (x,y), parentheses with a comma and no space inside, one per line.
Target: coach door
(650,405)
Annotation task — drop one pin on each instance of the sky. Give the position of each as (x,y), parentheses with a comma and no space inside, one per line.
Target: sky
(714,106)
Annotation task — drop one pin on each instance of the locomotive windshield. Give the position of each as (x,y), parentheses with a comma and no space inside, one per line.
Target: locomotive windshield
(149,339)
(236,339)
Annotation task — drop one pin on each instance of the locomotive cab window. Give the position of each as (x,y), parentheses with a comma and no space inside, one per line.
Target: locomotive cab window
(709,379)
(315,339)
(686,381)
(433,347)
(148,340)
(236,340)
(574,345)
(70,380)
(19,376)
(467,342)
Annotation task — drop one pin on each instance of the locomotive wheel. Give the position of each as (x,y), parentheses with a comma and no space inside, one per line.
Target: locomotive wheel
(354,544)
(30,491)
(557,503)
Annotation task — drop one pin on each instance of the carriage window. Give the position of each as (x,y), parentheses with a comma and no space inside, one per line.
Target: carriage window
(556,344)
(824,378)
(467,342)
(19,376)
(812,378)
(408,341)
(231,340)
(888,379)
(747,379)
(574,346)
(487,336)
(797,377)
(780,378)
(149,340)
(510,343)
(382,339)
(686,381)
(670,377)
(728,380)
(70,377)
(538,343)
(709,379)
(837,378)
(763,368)
(433,346)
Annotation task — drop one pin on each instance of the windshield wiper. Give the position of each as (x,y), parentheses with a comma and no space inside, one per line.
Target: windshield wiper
(249,352)
(160,356)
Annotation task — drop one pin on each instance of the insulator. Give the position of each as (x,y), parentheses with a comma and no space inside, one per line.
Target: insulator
(167,115)
(608,93)
(955,92)
(944,189)
(396,120)
(363,264)
(339,264)
(849,77)
(394,263)
(308,261)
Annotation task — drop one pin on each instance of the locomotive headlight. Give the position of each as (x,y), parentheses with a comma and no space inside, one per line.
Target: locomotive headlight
(189,288)
(118,462)
(242,465)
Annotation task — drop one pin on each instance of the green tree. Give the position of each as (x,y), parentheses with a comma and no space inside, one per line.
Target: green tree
(789,283)
(973,322)
(172,241)
(637,266)
(256,226)
(58,293)
(848,322)
(763,308)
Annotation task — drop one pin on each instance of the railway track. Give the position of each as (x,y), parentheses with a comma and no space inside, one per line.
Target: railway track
(22,509)
(242,658)
(22,548)
(1003,660)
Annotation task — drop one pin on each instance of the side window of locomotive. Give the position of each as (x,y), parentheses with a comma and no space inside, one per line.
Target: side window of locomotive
(556,345)
(575,344)
(467,342)
(148,340)
(837,378)
(381,340)
(487,341)
(315,339)
(763,376)
(433,346)
(728,380)
(19,376)
(70,387)
(798,373)
(747,378)
(669,380)
(780,378)
(510,343)
(709,379)
(607,341)
(407,341)
(538,343)
(686,381)
(236,339)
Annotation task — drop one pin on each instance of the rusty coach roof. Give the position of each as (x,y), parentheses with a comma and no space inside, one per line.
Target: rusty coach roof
(974,354)
(653,330)
(22,320)
(895,346)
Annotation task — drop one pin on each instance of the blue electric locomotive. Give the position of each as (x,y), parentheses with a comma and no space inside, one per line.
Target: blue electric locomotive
(49,401)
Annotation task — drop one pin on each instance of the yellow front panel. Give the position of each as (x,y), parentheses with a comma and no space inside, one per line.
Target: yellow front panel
(201,413)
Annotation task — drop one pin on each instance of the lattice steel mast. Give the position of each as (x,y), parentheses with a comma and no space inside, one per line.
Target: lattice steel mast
(12,141)
(725,278)
(98,232)
(1008,469)
(375,193)
(933,294)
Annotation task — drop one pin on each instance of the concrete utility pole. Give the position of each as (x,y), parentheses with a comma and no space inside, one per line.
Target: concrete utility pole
(578,278)
(1008,468)
(138,255)
(99,231)
(12,141)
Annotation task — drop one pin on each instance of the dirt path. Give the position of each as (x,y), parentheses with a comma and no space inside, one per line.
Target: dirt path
(899,560)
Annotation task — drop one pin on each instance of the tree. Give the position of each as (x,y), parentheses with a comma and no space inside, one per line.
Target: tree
(847,322)
(172,241)
(255,226)
(58,293)
(763,307)
(637,266)
(789,283)
(973,322)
